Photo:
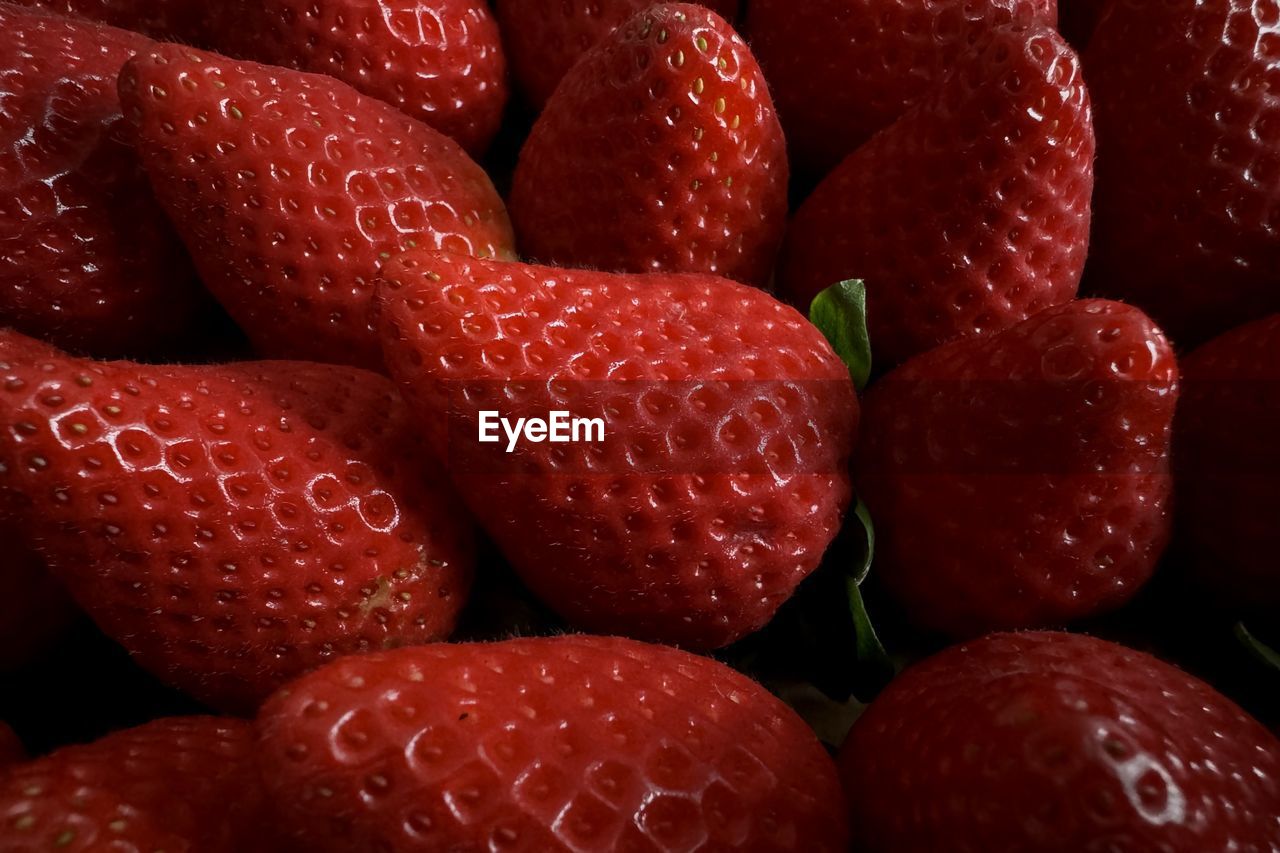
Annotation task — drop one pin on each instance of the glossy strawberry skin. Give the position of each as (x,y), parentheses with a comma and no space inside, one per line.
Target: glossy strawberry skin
(1023,480)
(176,784)
(728,421)
(233,525)
(440,62)
(660,151)
(1092,746)
(840,70)
(1227,463)
(290,189)
(565,743)
(1188,201)
(167,20)
(544,38)
(88,259)
(34,608)
(967,215)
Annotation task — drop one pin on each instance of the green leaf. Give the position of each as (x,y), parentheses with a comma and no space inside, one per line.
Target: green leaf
(840,313)
(870,652)
(1264,653)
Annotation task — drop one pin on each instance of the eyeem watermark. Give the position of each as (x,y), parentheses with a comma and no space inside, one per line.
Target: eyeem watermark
(559,427)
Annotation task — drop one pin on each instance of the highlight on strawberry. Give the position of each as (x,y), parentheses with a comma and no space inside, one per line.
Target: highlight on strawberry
(617,425)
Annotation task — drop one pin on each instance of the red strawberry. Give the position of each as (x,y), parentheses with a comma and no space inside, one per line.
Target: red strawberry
(169,20)
(544,38)
(843,69)
(34,609)
(87,257)
(290,189)
(1023,480)
(1228,461)
(440,62)
(565,743)
(1188,203)
(177,784)
(11,749)
(660,151)
(231,525)
(727,419)
(1058,742)
(968,214)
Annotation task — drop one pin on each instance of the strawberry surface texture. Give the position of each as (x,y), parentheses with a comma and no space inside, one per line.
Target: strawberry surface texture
(948,250)
(618,425)
(841,70)
(182,784)
(440,62)
(562,743)
(659,151)
(722,476)
(1090,744)
(1023,479)
(231,525)
(545,38)
(88,258)
(1188,199)
(167,20)
(291,189)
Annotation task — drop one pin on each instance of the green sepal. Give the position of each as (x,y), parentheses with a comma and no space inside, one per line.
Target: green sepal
(840,313)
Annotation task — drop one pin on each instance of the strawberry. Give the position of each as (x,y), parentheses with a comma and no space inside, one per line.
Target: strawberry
(440,62)
(565,743)
(290,189)
(231,525)
(168,20)
(88,258)
(176,784)
(720,476)
(1058,742)
(1023,479)
(34,609)
(841,70)
(659,151)
(11,749)
(1227,461)
(544,38)
(969,213)
(1188,202)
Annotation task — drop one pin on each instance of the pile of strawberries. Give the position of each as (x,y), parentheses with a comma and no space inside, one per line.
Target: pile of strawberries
(930,347)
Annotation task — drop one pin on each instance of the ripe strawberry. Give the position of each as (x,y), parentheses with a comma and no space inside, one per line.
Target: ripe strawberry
(177,784)
(168,20)
(1058,742)
(968,214)
(722,474)
(843,69)
(88,258)
(231,525)
(565,743)
(34,609)
(11,749)
(1023,480)
(544,38)
(660,151)
(439,62)
(1188,203)
(290,189)
(1227,463)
